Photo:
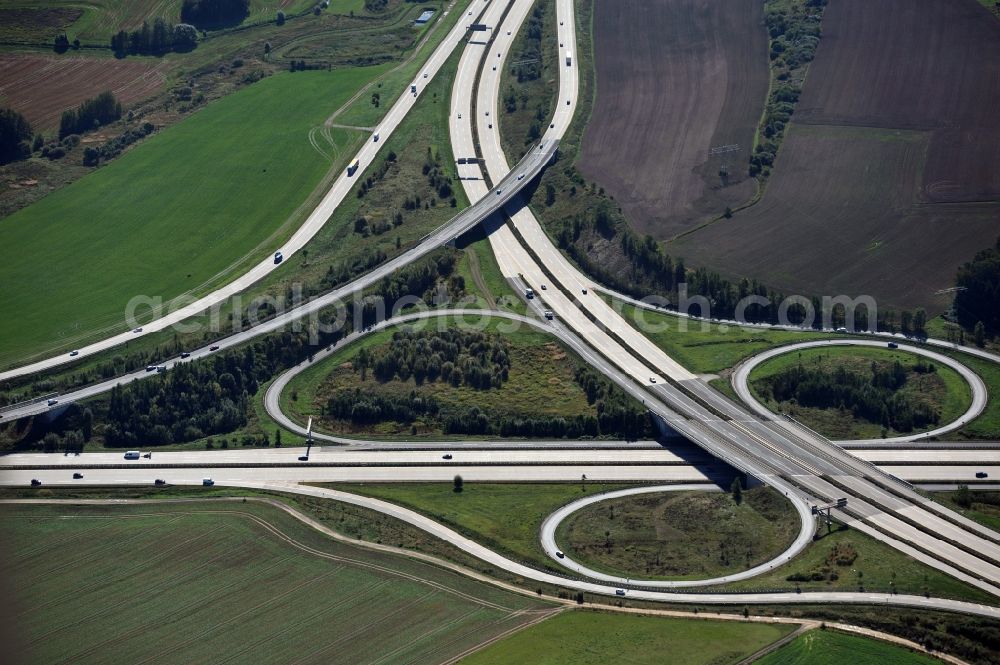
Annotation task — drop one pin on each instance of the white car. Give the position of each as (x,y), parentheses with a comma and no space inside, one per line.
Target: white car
(425,74)
(74,353)
(459,116)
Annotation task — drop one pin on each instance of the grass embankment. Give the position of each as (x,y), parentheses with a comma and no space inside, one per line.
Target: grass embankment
(827,647)
(680,535)
(704,347)
(942,390)
(157,222)
(540,384)
(983,506)
(847,560)
(504,516)
(177,577)
(584,638)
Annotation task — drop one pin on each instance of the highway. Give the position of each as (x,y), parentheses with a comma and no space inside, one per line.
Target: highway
(341,187)
(532,164)
(741,376)
(783,455)
(792,459)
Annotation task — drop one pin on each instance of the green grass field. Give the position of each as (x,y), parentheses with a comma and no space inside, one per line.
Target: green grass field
(944,389)
(827,647)
(540,384)
(504,516)
(200,582)
(187,210)
(708,348)
(584,638)
(680,535)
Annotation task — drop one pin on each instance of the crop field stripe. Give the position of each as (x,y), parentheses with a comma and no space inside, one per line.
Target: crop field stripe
(92,554)
(126,573)
(334,557)
(118,608)
(341,604)
(542,616)
(29,553)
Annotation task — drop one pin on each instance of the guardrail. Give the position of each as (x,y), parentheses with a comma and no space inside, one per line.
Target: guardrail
(27,402)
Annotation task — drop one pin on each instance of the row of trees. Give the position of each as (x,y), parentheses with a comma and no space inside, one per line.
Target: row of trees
(15,136)
(90,115)
(874,397)
(154,39)
(977,303)
(214,13)
(642,268)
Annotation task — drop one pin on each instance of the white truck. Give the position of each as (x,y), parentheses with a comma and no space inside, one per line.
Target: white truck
(133,454)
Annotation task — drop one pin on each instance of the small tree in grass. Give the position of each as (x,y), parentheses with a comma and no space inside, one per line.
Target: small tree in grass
(458,483)
(737,491)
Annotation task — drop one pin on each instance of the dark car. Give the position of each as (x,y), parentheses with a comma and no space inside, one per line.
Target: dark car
(893,345)
(35,482)
(982,474)
(159,482)
(213,348)
(77,475)
(446,456)
(186,354)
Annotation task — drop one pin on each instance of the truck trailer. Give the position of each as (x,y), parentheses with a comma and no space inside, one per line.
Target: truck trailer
(569,58)
(353,168)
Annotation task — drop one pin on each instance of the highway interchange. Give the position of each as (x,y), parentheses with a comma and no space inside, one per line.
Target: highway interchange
(794,460)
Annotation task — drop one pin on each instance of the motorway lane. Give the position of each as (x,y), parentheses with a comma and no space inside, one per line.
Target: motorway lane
(527,225)
(333,198)
(307,473)
(740,382)
(552,522)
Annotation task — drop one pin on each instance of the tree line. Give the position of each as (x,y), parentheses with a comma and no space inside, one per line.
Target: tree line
(15,136)
(91,114)
(874,397)
(212,396)
(977,302)
(214,13)
(645,269)
(154,39)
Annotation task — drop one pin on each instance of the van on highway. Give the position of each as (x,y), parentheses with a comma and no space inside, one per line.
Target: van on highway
(619,592)
(53,402)
(278,258)
(560,554)
(133,454)
(549,315)
(207,482)
(375,138)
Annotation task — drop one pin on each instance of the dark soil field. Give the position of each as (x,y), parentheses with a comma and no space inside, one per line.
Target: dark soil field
(42,87)
(890,175)
(675,78)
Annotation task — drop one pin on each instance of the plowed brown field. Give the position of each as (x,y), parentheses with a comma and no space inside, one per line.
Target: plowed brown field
(42,87)
(674,79)
(889,178)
